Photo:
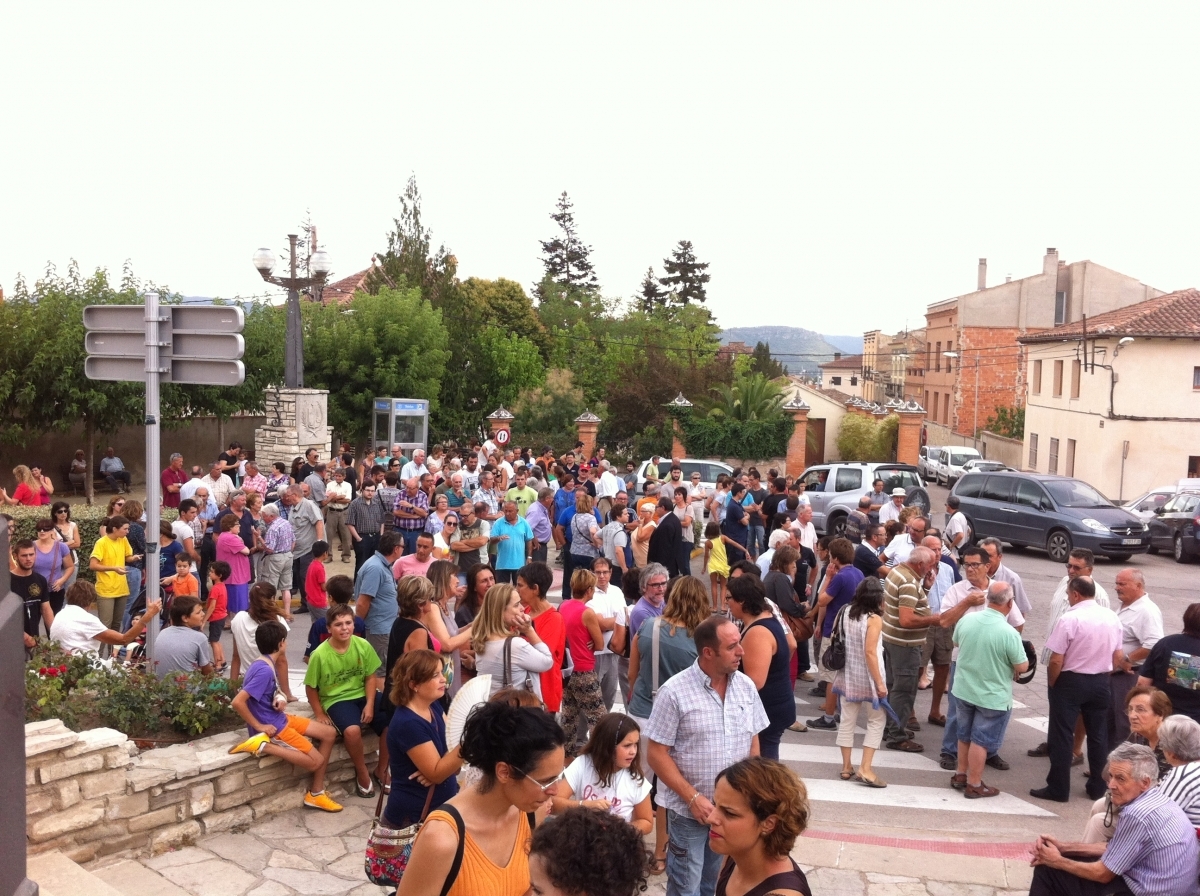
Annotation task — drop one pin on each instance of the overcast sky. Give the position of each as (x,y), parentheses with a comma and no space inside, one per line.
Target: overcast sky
(841,166)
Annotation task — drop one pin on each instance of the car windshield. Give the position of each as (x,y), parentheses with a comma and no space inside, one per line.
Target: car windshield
(1073,493)
(957,458)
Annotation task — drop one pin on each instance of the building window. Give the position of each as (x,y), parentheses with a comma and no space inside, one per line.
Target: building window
(1037,377)
(1058,378)
(928,354)
(937,358)
(1069,470)
(936,404)
(1033,440)
(1053,460)
(1196,377)
(1060,308)
(949,361)
(946,408)
(927,403)
(835,380)
(1075,370)
(853,381)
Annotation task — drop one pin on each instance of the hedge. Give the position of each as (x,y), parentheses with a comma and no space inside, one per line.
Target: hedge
(88,518)
(712,437)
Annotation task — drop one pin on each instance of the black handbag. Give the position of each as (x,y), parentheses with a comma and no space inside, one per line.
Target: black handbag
(834,657)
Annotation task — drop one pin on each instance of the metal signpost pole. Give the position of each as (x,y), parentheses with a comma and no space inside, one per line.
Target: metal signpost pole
(153,462)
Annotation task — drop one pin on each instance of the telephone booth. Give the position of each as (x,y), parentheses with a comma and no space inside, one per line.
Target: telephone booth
(400,420)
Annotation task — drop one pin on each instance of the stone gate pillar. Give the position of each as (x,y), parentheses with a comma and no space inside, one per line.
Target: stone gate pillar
(587,425)
(908,439)
(678,449)
(798,443)
(500,421)
(297,419)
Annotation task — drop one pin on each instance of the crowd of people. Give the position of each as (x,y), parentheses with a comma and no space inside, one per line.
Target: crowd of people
(452,578)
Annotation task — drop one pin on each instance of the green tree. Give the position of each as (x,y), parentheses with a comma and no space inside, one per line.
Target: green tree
(686,277)
(651,295)
(508,364)
(863,439)
(763,362)
(503,303)
(392,343)
(1008,422)
(410,259)
(550,408)
(565,257)
(749,397)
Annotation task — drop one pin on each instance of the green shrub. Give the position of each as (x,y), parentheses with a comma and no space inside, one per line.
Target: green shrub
(84,693)
(863,439)
(725,437)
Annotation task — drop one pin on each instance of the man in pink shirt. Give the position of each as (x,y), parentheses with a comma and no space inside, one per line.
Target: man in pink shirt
(418,563)
(1084,648)
(254,481)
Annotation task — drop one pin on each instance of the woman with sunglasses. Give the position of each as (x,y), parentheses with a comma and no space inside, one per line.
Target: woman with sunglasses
(441,538)
(53,560)
(68,531)
(519,753)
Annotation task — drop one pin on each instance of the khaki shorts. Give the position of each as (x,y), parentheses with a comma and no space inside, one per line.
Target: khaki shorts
(276,569)
(939,645)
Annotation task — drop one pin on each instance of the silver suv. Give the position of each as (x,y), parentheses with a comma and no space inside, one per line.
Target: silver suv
(833,489)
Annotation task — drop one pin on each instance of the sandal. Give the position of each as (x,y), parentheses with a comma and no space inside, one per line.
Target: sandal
(940,721)
(658,866)
(871,782)
(365,792)
(386,788)
(849,775)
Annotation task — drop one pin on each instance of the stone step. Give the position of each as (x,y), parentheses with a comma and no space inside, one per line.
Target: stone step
(56,875)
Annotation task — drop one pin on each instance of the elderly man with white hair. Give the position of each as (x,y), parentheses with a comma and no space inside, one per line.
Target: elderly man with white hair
(906,618)
(275,565)
(1153,849)
(777,538)
(415,467)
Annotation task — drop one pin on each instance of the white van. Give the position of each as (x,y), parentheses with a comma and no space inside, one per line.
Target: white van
(950,465)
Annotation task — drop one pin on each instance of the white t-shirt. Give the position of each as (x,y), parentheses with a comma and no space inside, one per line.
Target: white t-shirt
(183,531)
(243,628)
(954,526)
(623,792)
(75,630)
(608,604)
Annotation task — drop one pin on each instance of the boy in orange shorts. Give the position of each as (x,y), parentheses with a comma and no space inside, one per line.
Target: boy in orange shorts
(274,733)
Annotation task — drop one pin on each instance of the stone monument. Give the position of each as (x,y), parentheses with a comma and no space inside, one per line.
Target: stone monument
(297,419)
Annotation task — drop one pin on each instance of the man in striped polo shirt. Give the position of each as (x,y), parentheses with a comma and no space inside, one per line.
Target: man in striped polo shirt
(1153,849)
(906,617)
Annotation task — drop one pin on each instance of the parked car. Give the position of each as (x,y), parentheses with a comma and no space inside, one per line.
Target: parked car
(1145,504)
(1174,524)
(833,489)
(950,464)
(979,465)
(709,471)
(927,461)
(1052,512)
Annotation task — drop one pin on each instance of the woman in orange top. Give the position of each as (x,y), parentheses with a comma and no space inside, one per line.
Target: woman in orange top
(519,752)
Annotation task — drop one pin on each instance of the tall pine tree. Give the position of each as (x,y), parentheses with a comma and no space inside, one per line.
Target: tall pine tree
(763,362)
(685,276)
(652,294)
(566,258)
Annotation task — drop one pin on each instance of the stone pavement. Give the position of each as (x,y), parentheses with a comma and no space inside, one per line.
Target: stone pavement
(305,852)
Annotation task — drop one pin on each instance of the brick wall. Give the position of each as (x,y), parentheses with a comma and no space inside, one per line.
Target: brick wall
(94,794)
(1001,375)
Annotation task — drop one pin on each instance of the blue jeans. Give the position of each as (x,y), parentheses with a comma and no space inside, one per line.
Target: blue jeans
(756,539)
(410,539)
(134,577)
(692,867)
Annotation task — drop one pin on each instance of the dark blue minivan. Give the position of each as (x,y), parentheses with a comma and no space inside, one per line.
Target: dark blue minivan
(1052,512)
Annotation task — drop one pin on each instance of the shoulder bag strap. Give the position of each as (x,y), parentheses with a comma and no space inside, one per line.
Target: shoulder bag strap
(654,657)
(506,680)
(456,865)
(531,817)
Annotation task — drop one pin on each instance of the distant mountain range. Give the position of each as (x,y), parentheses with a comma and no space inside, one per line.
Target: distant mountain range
(798,349)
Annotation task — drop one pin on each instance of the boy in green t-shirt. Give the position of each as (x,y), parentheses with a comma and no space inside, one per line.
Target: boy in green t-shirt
(340,683)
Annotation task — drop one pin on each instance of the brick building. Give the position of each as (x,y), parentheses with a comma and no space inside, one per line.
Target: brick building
(980,329)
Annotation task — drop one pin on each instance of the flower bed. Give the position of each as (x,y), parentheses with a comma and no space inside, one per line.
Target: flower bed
(83,693)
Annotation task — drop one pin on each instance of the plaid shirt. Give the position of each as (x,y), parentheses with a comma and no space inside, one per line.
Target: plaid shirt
(420,499)
(280,538)
(703,733)
(366,518)
(490,497)
(256,483)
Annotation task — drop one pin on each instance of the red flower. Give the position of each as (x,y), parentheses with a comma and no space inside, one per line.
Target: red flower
(63,669)
(52,672)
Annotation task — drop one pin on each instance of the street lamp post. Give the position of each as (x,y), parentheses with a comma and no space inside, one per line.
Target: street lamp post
(975,428)
(318,266)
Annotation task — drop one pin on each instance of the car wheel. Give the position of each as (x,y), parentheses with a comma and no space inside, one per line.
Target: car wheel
(1058,546)
(1119,558)
(836,526)
(1177,546)
(918,497)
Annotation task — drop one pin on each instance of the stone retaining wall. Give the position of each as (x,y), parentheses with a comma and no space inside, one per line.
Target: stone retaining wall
(95,794)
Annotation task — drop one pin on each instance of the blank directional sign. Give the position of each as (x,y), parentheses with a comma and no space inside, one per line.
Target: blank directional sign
(198,344)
